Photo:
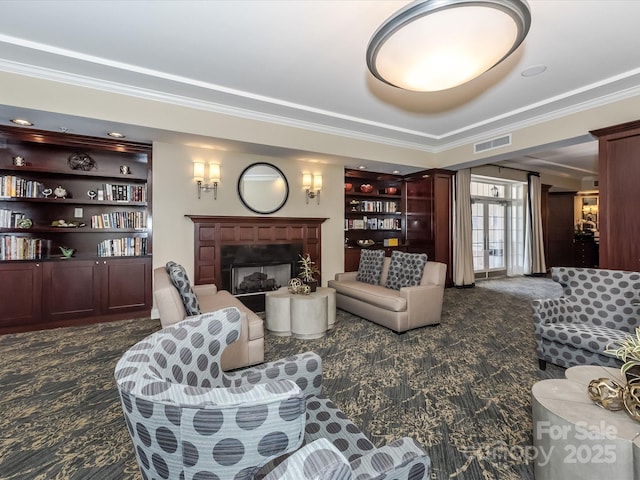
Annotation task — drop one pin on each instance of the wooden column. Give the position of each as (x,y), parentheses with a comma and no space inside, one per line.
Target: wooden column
(619,180)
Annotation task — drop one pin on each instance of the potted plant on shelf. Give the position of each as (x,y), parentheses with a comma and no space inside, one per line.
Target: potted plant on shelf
(308,271)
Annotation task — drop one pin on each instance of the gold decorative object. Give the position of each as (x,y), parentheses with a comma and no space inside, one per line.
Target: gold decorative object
(294,285)
(631,398)
(607,394)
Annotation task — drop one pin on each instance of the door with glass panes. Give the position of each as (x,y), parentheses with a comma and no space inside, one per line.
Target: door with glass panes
(489,237)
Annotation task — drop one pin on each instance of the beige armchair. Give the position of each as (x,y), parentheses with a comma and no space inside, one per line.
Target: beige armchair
(247,350)
(399,310)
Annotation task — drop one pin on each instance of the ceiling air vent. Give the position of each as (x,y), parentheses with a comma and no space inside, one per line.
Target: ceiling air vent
(491,144)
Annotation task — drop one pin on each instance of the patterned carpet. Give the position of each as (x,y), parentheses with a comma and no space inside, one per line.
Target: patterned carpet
(462,388)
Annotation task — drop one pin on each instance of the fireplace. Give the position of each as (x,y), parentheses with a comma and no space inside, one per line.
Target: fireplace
(250,270)
(213,234)
(248,279)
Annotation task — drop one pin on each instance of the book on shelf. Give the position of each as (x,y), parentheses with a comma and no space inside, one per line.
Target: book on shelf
(123,247)
(12,186)
(123,220)
(124,193)
(13,247)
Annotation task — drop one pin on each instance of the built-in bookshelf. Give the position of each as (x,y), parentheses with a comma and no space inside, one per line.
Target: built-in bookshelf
(71,207)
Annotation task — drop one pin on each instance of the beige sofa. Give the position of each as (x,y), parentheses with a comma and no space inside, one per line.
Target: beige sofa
(247,350)
(399,310)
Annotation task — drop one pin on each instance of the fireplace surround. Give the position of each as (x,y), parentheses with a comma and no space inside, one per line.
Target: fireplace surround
(286,236)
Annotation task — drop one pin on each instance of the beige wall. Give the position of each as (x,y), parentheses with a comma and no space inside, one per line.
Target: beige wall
(175,195)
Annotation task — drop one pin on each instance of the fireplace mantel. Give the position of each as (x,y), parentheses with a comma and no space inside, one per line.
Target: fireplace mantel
(212,232)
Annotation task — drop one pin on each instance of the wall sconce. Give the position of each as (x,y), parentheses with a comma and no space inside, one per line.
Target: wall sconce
(312,185)
(199,177)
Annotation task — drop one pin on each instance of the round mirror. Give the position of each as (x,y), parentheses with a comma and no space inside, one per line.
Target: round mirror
(263,188)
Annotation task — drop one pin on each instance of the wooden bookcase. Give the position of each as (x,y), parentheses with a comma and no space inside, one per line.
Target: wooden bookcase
(419,212)
(373,211)
(101,190)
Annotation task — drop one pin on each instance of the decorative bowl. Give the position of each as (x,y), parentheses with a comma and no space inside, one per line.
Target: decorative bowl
(365,243)
(348,187)
(366,188)
(391,190)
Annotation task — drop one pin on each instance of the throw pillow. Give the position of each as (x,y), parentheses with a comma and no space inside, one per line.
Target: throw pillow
(370,267)
(405,269)
(180,280)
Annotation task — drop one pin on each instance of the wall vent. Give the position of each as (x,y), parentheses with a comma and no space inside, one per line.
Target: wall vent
(491,144)
(589,183)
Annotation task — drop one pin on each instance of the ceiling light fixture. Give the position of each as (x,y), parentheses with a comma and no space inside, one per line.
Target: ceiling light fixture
(22,122)
(433,45)
(116,135)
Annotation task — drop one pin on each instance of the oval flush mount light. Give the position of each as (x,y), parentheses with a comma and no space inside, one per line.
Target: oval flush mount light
(433,45)
(22,122)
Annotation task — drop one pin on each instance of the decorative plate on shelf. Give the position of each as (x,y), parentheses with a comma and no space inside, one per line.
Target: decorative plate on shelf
(65,224)
(81,161)
(366,243)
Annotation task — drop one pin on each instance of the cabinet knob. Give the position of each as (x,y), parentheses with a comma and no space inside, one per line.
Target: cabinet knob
(97,263)
(37,264)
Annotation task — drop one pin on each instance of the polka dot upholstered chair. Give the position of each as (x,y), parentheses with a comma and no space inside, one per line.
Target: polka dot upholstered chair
(598,308)
(190,420)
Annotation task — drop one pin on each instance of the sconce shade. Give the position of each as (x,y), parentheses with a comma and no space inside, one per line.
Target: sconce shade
(198,171)
(214,172)
(433,45)
(317,182)
(307,180)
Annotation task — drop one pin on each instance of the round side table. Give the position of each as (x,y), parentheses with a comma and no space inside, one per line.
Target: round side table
(576,439)
(308,316)
(278,312)
(303,316)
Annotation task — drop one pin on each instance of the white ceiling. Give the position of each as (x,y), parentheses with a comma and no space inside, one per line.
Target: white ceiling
(302,63)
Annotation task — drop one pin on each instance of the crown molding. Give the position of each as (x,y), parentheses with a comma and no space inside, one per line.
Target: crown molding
(386,134)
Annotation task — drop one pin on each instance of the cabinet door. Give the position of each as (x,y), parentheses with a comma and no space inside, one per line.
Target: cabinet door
(71,290)
(126,285)
(20,294)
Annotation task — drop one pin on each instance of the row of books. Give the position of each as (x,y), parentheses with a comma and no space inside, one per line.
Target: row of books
(12,186)
(377,206)
(124,193)
(9,218)
(120,220)
(372,224)
(14,247)
(123,247)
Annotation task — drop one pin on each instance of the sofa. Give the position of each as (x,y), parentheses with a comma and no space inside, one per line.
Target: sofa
(399,310)
(189,419)
(598,307)
(247,350)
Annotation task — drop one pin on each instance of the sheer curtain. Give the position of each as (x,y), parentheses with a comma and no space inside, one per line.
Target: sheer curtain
(516,216)
(534,242)
(463,275)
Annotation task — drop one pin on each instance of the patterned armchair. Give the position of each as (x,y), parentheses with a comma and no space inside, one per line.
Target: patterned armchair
(598,307)
(187,418)
(190,420)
